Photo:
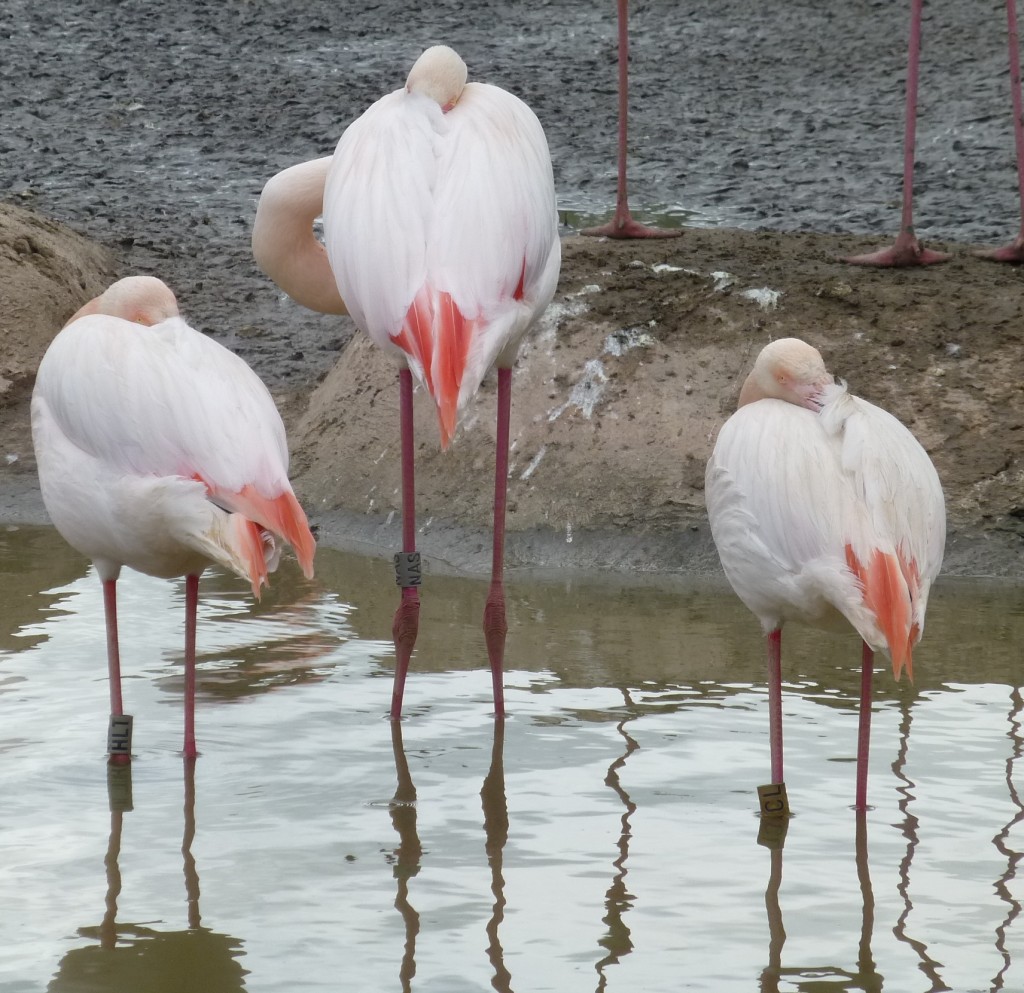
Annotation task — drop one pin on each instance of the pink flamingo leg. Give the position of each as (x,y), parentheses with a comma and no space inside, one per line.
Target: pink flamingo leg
(864,727)
(113,659)
(406,624)
(775,702)
(1013,253)
(907,250)
(495,624)
(622,224)
(191,608)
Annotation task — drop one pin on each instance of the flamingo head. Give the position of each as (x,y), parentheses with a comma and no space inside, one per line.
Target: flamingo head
(139,299)
(440,74)
(788,369)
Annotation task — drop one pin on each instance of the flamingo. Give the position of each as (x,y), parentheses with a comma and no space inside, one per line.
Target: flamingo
(622,224)
(441,236)
(823,507)
(907,250)
(160,450)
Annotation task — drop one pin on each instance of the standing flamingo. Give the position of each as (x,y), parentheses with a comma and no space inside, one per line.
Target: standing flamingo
(907,250)
(1014,252)
(824,506)
(622,224)
(159,449)
(442,243)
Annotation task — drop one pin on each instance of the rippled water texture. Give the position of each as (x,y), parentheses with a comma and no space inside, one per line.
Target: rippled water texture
(604,838)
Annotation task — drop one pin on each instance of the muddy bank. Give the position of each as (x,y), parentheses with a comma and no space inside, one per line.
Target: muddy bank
(617,397)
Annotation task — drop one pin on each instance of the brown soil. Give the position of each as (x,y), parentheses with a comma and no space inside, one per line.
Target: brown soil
(616,397)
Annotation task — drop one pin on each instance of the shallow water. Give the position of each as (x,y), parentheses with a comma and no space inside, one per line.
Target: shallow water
(604,838)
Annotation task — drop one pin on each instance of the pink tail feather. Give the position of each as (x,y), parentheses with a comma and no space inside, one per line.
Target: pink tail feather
(281,515)
(437,335)
(889,589)
(250,550)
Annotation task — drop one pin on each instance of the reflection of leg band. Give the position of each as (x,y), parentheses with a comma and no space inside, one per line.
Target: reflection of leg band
(119,734)
(119,787)
(407,569)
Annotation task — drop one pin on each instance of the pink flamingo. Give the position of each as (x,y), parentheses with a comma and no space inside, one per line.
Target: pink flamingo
(907,250)
(442,243)
(824,507)
(622,224)
(160,450)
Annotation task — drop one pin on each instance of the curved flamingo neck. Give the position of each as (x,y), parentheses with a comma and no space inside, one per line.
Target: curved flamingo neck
(283,242)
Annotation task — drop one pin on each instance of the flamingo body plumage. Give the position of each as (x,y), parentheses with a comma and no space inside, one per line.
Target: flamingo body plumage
(159,449)
(442,233)
(825,508)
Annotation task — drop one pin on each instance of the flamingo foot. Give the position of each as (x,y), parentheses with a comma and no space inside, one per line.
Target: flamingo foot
(495,629)
(1013,254)
(906,251)
(623,226)
(404,629)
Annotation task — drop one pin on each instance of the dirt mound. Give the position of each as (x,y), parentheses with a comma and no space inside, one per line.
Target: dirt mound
(617,396)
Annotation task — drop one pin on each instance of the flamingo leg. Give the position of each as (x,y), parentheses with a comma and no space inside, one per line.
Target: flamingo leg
(119,741)
(907,250)
(775,702)
(405,626)
(622,224)
(1014,252)
(864,727)
(191,608)
(495,624)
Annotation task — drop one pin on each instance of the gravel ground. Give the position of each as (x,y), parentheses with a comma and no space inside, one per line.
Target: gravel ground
(151,127)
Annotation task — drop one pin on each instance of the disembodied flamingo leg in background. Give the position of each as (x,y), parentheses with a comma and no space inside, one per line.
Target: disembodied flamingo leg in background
(495,624)
(407,562)
(1013,253)
(119,733)
(622,224)
(864,727)
(191,608)
(907,250)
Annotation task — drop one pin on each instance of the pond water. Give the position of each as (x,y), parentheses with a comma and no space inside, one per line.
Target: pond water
(603,837)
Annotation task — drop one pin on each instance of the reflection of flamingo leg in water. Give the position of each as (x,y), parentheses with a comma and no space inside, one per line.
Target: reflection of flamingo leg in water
(618,941)
(129,956)
(495,808)
(407,855)
(1013,858)
(410,851)
(866,976)
(927,965)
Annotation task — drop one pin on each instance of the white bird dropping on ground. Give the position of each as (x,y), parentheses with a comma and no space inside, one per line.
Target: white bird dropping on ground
(824,507)
(160,450)
(441,235)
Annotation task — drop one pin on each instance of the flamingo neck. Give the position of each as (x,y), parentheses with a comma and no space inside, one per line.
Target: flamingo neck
(283,242)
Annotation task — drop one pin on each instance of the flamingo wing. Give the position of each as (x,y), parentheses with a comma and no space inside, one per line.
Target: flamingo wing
(169,401)
(778,503)
(894,479)
(898,551)
(442,232)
